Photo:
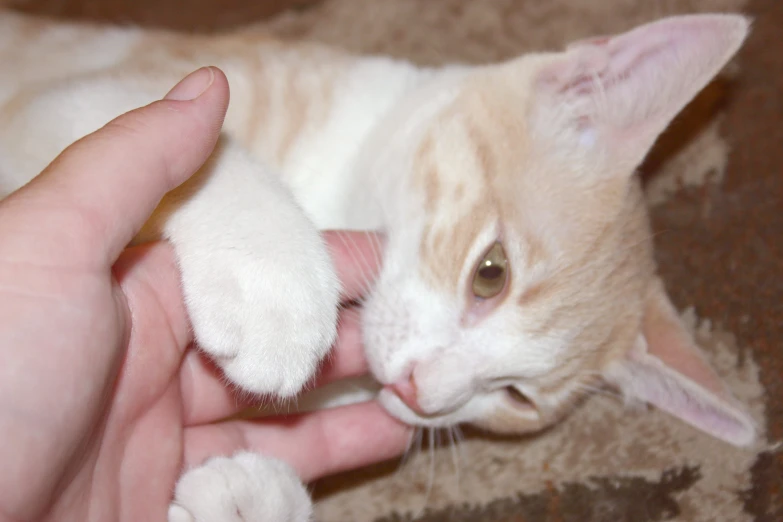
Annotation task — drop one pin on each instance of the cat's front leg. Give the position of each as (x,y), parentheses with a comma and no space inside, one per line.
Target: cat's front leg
(246,487)
(258,281)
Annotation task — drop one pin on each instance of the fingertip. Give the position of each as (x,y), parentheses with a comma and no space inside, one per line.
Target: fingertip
(203,95)
(219,81)
(188,120)
(216,95)
(192,86)
(206,82)
(356,435)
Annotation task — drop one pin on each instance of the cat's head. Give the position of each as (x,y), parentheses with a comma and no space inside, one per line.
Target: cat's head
(518,271)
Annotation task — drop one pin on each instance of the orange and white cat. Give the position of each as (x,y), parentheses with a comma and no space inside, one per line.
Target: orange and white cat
(518,265)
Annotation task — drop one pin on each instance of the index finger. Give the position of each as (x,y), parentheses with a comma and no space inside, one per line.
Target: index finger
(316,444)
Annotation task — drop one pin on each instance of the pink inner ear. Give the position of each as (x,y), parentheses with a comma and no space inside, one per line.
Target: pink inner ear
(630,86)
(672,344)
(668,370)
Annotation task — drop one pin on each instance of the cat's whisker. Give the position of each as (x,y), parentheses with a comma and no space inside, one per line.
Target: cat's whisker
(363,281)
(454,452)
(431,476)
(349,313)
(365,266)
(375,261)
(411,450)
(458,435)
(414,445)
(420,440)
(587,388)
(375,247)
(462,448)
(415,442)
(591,390)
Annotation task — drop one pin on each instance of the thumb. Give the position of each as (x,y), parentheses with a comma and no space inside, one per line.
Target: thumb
(98,192)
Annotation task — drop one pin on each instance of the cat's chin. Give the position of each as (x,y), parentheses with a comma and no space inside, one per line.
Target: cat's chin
(399,410)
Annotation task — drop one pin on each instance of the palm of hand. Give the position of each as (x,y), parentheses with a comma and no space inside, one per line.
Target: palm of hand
(111,351)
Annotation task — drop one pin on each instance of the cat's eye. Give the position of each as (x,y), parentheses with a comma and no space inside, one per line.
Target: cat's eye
(491,273)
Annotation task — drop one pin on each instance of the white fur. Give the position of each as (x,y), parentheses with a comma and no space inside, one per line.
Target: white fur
(267,322)
(244,488)
(258,282)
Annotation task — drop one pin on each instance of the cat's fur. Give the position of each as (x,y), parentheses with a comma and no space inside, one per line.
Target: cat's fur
(538,153)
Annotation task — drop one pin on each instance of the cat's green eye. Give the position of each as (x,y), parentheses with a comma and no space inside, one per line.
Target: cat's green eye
(491,273)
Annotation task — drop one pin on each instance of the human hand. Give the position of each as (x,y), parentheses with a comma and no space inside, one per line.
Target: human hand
(101,401)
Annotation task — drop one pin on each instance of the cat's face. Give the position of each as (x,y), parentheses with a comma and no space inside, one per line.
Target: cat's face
(521,268)
(518,271)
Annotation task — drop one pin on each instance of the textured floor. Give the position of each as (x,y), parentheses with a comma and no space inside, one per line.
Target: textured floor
(723,251)
(715,185)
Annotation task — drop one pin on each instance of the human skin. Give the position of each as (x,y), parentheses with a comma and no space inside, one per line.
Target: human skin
(103,401)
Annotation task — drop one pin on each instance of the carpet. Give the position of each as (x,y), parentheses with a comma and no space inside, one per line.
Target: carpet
(715,187)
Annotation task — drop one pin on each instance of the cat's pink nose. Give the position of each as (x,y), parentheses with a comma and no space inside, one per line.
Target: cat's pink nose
(405,389)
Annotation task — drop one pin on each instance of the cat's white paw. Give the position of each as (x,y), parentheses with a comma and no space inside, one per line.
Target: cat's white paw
(267,318)
(246,487)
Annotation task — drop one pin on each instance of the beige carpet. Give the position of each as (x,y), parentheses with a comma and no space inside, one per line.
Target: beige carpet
(603,463)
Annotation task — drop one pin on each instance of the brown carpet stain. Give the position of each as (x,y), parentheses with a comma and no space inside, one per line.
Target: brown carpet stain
(762,500)
(600,499)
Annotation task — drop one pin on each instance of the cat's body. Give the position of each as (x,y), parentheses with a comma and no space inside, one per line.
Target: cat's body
(302,109)
(518,264)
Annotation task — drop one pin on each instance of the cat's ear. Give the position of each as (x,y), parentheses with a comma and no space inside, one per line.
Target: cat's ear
(667,369)
(622,91)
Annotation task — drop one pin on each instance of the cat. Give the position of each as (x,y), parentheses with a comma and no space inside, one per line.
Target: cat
(517,268)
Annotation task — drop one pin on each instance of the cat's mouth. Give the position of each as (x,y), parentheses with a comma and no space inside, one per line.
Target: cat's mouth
(519,400)
(413,415)
(408,411)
